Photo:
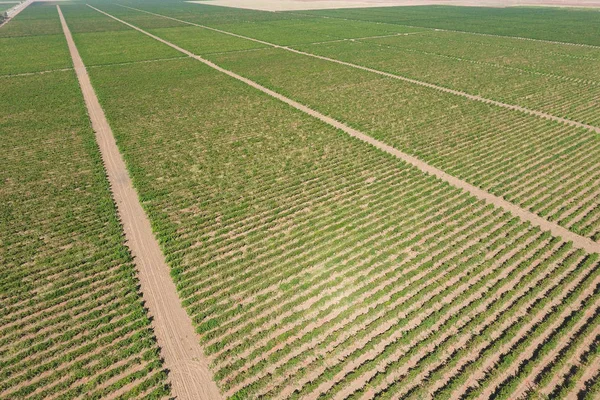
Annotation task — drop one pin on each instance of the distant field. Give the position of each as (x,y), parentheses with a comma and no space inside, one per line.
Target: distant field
(301,5)
(563,25)
(5,6)
(72,321)
(312,264)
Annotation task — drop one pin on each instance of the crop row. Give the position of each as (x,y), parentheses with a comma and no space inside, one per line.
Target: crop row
(557,79)
(532,162)
(72,322)
(569,62)
(507,153)
(309,261)
(26,47)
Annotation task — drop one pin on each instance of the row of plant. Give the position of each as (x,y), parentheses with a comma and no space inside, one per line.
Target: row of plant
(72,321)
(502,69)
(545,92)
(27,47)
(499,150)
(553,24)
(565,195)
(304,257)
(561,61)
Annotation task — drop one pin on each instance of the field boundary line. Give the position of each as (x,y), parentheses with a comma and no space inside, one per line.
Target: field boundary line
(179,344)
(393,76)
(578,241)
(136,62)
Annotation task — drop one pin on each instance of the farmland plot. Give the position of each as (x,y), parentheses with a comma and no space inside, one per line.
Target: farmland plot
(571,25)
(485,145)
(313,264)
(30,43)
(102,40)
(567,86)
(552,93)
(529,161)
(72,322)
(37,19)
(576,62)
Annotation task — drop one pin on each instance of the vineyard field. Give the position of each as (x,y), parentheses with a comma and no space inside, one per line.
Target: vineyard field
(279,268)
(574,97)
(369,103)
(35,20)
(502,69)
(552,24)
(325,227)
(72,320)
(449,132)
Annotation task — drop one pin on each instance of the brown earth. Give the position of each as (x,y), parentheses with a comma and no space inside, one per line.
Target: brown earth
(183,357)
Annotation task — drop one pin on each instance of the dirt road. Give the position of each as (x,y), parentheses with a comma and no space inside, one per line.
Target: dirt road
(189,374)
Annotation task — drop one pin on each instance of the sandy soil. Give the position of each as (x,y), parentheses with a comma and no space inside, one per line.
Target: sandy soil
(578,241)
(297,5)
(183,357)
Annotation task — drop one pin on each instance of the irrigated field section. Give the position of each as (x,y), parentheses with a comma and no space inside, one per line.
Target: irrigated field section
(312,264)
(72,321)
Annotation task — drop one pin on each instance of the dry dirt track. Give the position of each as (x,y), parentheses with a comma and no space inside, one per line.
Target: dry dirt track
(394,76)
(298,5)
(557,230)
(183,357)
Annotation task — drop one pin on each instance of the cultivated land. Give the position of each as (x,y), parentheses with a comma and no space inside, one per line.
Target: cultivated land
(72,321)
(451,255)
(301,5)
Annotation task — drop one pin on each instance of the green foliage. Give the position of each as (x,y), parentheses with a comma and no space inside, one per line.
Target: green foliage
(33,53)
(525,159)
(36,19)
(563,25)
(72,321)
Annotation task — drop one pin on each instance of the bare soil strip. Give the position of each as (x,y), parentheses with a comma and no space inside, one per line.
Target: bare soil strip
(183,357)
(578,241)
(394,76)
